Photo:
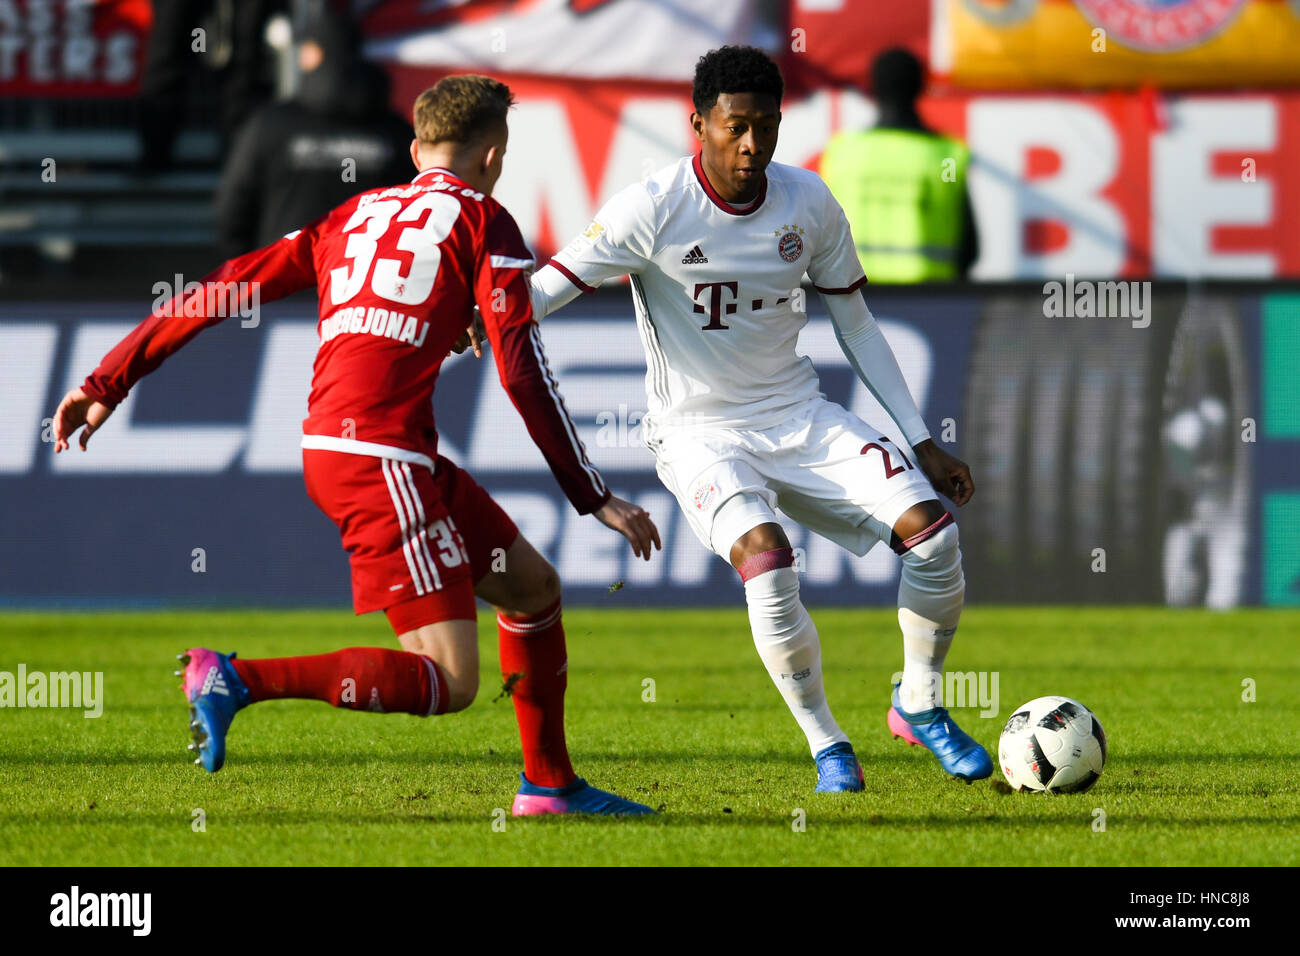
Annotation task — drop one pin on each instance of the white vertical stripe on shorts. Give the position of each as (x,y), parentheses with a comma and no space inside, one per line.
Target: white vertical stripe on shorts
(421,529)
(407,491)
(411,529)
(413,559)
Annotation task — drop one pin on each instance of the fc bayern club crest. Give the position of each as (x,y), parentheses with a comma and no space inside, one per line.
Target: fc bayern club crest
(704,495)
(790,245)
(1161,26)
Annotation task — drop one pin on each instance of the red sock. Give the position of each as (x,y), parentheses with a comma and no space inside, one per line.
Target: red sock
(533,646)
(360,678)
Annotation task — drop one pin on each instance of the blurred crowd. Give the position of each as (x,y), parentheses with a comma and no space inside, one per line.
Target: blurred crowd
(299,133)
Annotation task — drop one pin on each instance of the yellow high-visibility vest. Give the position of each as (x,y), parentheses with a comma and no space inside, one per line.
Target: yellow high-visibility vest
(902,192)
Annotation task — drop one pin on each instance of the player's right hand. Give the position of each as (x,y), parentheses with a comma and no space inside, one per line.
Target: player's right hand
(77,409)
(472,337)
(633,523)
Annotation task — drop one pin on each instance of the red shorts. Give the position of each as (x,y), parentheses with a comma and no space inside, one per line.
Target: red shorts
(418,541)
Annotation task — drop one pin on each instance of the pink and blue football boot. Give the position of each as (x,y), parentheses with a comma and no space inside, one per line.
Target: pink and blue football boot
(577,797)
(216,694)
(935,730)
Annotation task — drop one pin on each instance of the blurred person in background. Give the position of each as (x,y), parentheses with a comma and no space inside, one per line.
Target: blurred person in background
(229,35)
(295,160)
(902,185)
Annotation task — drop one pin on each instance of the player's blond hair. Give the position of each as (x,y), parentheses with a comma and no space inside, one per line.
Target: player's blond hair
(460,109)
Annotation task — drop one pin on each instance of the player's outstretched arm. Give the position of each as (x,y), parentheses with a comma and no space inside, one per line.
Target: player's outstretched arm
(521,365)
(871,357)
(865,347)
(263,275)
(505,304)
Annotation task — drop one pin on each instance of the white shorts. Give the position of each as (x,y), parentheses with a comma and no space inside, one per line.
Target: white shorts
(823,467)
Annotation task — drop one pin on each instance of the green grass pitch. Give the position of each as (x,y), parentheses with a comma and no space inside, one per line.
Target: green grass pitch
(1197,775)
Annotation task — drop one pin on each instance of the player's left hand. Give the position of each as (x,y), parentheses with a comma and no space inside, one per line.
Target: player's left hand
(472,337)
(633,523)
(950,476)
(77,409)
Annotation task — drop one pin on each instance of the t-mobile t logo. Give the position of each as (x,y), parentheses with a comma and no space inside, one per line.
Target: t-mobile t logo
(716,305)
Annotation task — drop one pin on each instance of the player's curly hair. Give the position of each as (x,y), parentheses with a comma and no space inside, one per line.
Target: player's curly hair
(459,109)
(735,69)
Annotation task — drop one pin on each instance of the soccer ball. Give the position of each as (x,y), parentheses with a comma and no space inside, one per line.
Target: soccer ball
(1053,744)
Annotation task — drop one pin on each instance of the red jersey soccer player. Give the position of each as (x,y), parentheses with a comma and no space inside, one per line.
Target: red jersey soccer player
(399,271)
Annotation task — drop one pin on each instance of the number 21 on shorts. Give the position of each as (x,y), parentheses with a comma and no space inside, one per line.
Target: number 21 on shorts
(890,468)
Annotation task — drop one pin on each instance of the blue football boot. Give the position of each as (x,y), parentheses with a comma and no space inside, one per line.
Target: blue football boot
(838,770)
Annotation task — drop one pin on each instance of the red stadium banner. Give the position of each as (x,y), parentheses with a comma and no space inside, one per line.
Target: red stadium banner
(63,48)
(1123,183)
(1094,184)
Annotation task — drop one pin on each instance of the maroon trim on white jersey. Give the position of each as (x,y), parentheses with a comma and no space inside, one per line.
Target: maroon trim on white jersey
(568,274)
(845,291)
(697,165)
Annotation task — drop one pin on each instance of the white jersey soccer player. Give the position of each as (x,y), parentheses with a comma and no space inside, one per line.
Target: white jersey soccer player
(736,418)
(716,291)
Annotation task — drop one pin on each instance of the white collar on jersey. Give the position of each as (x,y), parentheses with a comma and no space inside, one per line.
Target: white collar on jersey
(697,165)
(436,169)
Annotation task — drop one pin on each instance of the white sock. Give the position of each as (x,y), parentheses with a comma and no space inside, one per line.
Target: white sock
(787,641)
(930,597)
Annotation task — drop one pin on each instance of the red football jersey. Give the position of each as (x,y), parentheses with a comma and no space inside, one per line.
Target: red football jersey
(398,272)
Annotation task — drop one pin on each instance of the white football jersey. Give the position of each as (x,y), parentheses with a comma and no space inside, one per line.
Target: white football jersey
(717,288)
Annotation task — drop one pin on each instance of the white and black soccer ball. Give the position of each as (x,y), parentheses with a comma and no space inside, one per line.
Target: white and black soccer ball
(1052,744)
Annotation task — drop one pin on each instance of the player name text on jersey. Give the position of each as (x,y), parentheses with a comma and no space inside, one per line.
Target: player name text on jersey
(374,321)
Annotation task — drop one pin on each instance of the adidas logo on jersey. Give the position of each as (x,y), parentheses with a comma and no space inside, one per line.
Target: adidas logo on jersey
(695,257)
(214,683)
